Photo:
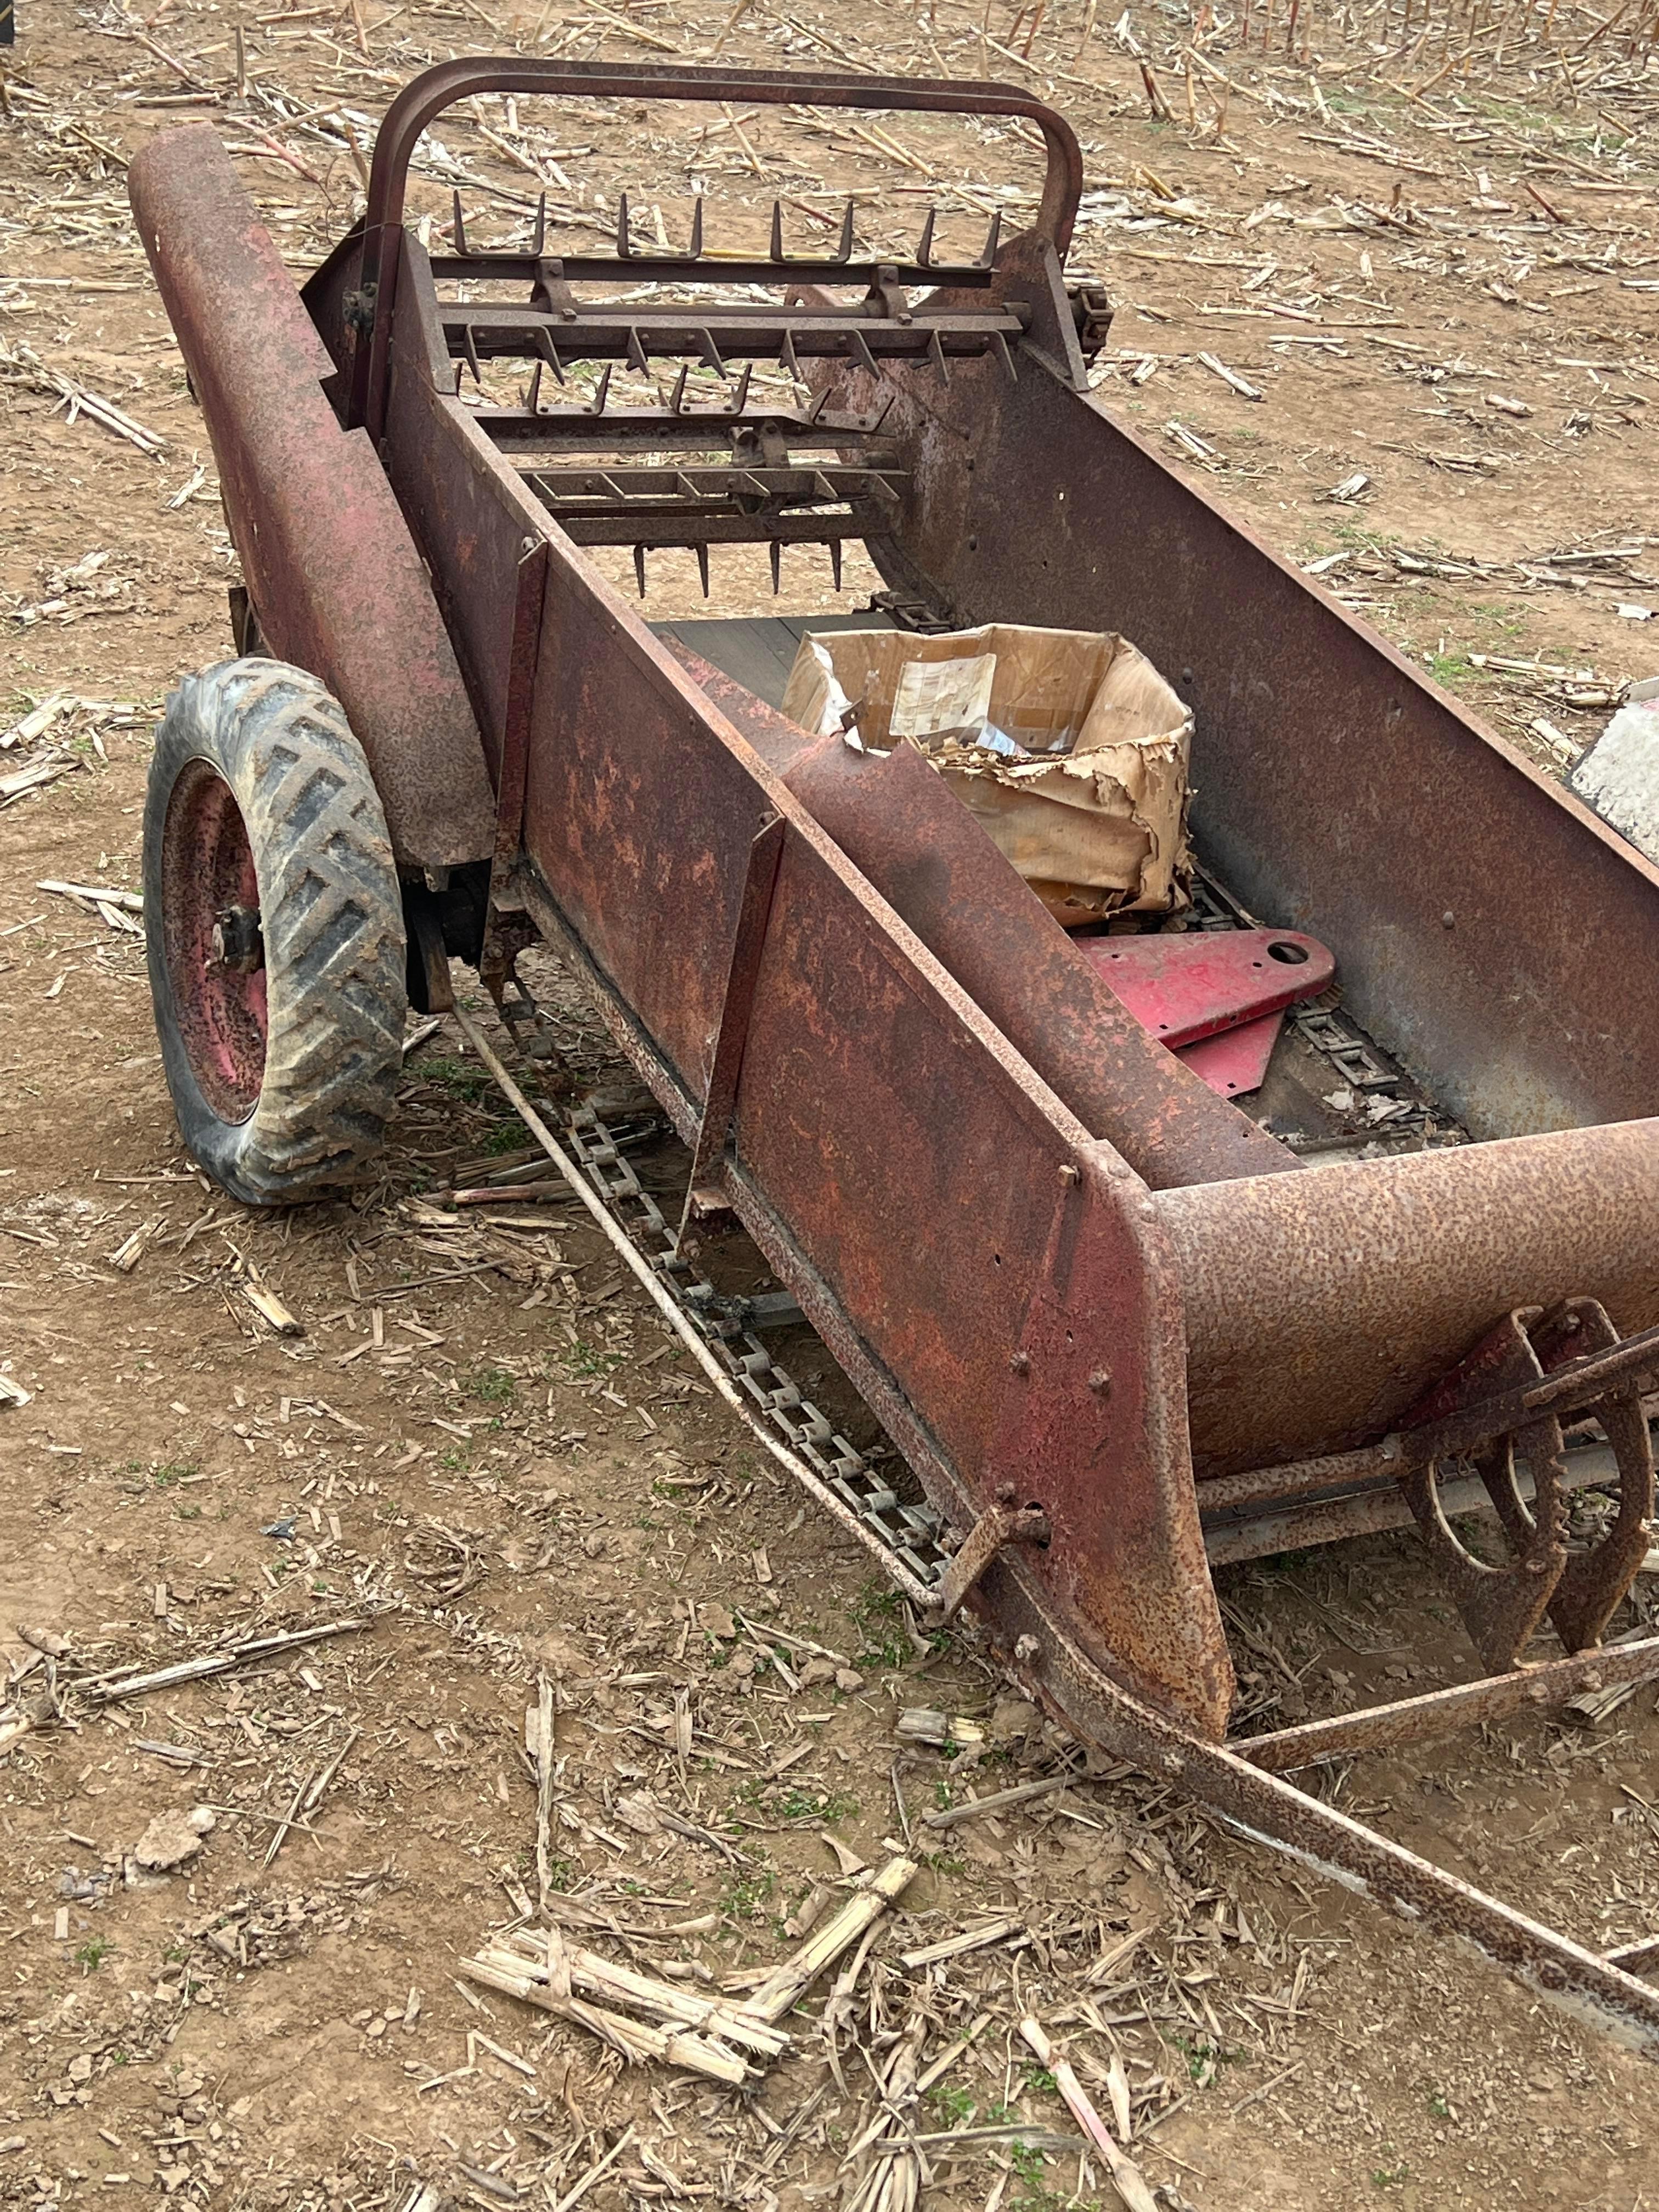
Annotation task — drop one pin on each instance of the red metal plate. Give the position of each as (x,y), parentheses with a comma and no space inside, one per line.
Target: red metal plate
(1187,986)
(1235,1063)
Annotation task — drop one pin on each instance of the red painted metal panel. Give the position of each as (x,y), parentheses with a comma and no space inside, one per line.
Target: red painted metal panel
(1183,988)
(1236,1061)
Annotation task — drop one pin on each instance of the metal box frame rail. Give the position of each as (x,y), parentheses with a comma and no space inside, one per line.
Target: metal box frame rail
(1083,1296)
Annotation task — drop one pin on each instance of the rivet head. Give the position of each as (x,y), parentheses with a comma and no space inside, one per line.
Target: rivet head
(1101,1382)
(1448,920)
(1068,1174)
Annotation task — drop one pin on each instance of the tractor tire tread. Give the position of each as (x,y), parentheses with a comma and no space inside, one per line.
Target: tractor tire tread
(331,914)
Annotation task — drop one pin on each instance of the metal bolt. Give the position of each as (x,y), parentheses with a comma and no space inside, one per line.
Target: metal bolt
(1101,1382)
(1448,920)
(1020,1362)
(1068,1174)
(1027,1648)
(236,941)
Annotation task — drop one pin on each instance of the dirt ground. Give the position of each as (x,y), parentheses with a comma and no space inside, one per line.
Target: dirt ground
(1427,242)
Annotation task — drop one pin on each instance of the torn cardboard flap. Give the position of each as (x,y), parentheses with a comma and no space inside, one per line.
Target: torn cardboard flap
(1067,746)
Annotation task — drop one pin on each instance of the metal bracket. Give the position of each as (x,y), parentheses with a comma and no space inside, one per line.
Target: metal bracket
(530,595)
(999,1524)
(748,943)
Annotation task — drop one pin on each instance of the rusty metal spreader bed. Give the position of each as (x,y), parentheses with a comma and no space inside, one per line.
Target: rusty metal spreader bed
(1099,1310)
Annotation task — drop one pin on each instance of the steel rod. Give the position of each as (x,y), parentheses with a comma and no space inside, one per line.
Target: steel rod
(1410,1720)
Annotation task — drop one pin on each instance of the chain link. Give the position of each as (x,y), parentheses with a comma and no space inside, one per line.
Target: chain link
(910,1533)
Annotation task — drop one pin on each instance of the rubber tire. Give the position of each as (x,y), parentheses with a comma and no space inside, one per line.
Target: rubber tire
(331,917)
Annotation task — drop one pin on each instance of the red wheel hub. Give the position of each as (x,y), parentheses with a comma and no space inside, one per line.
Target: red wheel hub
(210,934)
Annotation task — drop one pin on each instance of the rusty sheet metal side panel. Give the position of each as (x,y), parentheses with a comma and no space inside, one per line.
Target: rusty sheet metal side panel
(1320,1307)
(871,1092)
(637,815)
(1004,1270)
(1471,902)
(898,823)
(329,563)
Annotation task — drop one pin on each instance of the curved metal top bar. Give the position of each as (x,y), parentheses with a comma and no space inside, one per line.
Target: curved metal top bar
(426,96)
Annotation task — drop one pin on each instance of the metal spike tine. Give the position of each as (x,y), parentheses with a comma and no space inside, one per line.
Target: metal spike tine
(624,242)
(742,399)
(1004,355)
(471,346)
(638,568)
(677,396)
(776,248)
(789,357)
(936,356)
(696,228)
(844,251)
(818,405)
(858,346)
(924,249)
(886,409)
(459,227)
(776,552)
(538,243)
(534,402)
(703,569)
(601,392)
(710,351)
(991,237)
(636,357)
(835,560)
(548,350)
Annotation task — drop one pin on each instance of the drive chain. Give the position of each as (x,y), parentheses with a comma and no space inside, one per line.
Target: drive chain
(910,1533)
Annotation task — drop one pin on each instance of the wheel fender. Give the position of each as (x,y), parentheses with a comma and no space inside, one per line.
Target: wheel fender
(330,562)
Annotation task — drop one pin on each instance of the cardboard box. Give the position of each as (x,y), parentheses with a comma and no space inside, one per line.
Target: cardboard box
(1068,745)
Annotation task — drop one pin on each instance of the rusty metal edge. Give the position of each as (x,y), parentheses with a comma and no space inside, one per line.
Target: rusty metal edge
(1410,1720)
(1267,1809)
